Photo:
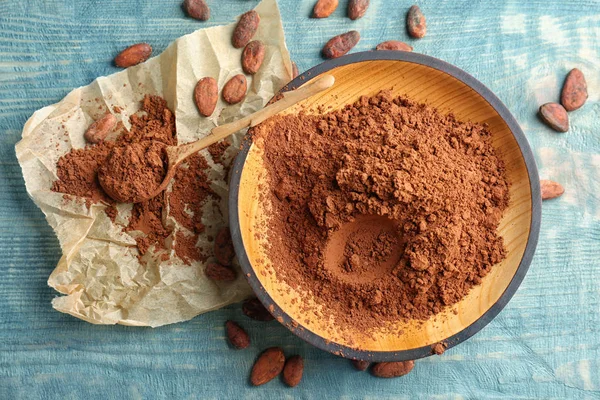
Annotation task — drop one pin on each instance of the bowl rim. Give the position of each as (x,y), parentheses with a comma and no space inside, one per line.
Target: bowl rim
(383,356)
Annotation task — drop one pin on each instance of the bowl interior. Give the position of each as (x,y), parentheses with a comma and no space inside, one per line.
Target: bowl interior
(449,94)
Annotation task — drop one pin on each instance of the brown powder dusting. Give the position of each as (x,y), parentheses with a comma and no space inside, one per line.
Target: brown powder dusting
(154,124)
(147,217)
(384,210)
(111,212)
(77,172)
(185,248)
(190,191)
(218,149)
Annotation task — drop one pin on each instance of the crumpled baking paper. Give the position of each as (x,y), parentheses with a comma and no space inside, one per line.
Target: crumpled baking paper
(102,280)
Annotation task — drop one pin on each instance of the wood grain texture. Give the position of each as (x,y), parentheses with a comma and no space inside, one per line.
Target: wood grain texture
(545,344)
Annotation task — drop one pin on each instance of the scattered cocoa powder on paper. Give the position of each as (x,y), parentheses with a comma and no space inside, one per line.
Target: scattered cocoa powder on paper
(185,248)
(217,151)
(147,217)
(384,210)
(77,172)
(153,126)
(190,190)
(154,122)
(112,212)
(189,193)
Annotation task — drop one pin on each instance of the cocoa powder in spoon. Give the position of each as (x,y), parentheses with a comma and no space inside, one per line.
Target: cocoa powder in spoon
(384,210)
(151,128)
(134,170)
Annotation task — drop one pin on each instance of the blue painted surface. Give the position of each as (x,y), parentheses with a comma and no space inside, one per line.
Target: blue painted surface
(545,344)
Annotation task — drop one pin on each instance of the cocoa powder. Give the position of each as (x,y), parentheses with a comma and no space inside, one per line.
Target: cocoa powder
(217,152)
(147,217)
(77,172)
(134,170)
(189,192)
(153,126)
(384,210)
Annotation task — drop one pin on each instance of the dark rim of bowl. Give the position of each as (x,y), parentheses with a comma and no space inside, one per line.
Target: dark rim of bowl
(380,356)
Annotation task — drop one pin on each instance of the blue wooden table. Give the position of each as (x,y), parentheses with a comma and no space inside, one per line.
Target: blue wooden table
(546,343)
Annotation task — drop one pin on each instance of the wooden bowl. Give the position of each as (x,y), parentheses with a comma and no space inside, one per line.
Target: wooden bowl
(434,82)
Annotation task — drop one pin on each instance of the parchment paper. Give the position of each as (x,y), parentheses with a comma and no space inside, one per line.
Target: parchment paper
(99,272)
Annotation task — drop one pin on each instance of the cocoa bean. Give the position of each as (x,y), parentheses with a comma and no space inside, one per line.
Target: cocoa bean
(341,44)
(550,189)
(245,29)
(292,371)
(98,130)
(324,8)
(394,45)
(415,22)
(197,9)
(133,55)
(555,116)
(392,369)
(267,366)
(218,272)
(357,8)
(253,56)
(360,365)
(224,250)
(234,91)
(253,308)
(574,92)
(236,335)
(206,95)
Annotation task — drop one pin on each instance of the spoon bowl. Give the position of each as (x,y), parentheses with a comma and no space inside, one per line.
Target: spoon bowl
(174,155)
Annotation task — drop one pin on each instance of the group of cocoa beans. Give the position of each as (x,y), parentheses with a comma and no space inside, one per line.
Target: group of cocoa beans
(254,52)
(206,92)
(339,45)
(272,361)
(572,97)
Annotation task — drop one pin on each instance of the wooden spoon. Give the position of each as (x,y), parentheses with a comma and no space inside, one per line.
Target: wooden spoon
(177,154)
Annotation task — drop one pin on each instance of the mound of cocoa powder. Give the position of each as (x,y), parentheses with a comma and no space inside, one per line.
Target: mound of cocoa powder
(134,170)
(151,128)
(384,210)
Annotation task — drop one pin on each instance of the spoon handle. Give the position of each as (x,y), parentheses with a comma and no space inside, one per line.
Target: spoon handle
(289,99)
